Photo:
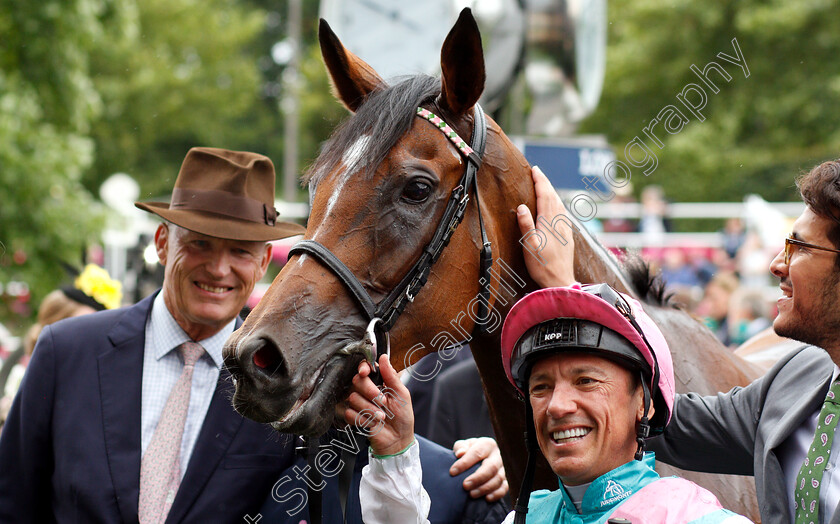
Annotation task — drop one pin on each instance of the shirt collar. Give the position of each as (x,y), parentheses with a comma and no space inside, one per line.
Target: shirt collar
(613,487)
(168,335)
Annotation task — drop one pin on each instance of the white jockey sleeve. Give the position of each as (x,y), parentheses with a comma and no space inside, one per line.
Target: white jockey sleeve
(391,490)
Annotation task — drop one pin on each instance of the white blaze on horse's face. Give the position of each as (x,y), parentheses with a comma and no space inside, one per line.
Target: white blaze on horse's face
(351,162)
(355,153)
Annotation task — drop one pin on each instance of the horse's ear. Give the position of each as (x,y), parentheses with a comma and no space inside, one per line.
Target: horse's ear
(352,78)
(462,66)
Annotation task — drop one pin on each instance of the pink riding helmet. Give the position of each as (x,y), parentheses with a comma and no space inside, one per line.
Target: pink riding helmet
(572,319)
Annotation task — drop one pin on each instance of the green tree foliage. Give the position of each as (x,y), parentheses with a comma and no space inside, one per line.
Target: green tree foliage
(318,109)
(183,73)
(93,87)
(759,131)
(47,104)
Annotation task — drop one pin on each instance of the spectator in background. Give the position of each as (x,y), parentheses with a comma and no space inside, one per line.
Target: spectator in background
(748,315)
(714,306)
(653,222)
(621,224)
(93,290)
(719,259)
(752,261)
(700,259)
(677,271)
(734,234)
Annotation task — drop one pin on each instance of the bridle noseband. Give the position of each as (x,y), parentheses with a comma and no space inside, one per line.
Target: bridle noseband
(383,316)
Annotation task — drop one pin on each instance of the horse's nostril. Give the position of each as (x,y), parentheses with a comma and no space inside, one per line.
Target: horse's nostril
(268,358)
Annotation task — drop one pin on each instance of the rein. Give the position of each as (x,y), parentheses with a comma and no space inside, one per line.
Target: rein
(383,316)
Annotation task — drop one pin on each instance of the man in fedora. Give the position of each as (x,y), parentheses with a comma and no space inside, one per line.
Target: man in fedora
(125,415)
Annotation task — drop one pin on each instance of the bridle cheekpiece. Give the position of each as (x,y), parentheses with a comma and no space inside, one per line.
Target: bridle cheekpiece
(381,317)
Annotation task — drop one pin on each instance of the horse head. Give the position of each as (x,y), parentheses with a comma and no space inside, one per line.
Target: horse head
(380,188)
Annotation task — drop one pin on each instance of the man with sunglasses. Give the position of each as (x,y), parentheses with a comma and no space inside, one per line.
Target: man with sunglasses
(781,427)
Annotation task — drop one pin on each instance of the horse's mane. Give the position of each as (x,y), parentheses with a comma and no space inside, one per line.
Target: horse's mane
(385,116)
(650,286)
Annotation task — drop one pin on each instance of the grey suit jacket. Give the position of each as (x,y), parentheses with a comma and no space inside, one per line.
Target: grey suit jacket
(739,432)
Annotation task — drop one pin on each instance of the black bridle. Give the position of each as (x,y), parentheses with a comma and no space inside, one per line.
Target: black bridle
(382,317)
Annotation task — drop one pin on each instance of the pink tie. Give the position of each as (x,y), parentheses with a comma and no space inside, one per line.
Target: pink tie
(160,468)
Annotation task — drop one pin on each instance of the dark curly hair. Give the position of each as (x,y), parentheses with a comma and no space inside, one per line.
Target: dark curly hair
(820,190)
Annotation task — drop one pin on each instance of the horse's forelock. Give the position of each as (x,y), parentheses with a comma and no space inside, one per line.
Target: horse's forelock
(385,116)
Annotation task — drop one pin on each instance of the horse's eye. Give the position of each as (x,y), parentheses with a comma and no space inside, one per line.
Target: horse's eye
(416,191)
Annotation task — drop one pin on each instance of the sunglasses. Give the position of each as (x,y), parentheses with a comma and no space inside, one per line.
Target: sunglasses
(790,241)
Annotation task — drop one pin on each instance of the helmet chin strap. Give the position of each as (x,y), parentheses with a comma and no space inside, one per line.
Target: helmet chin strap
(521,507)
(644,425)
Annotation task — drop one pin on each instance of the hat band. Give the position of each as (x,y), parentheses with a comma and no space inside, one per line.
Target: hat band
(223,203)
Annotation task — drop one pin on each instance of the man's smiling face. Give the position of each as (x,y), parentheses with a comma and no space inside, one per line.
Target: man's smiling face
(810,286)
(207,279)
(585,413)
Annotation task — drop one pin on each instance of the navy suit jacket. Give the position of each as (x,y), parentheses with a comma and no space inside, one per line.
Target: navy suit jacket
(469,416)
(70,449)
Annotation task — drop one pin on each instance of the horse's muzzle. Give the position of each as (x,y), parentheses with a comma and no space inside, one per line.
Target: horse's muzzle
(264,392)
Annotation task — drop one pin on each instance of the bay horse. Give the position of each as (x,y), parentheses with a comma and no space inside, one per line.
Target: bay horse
(380,187)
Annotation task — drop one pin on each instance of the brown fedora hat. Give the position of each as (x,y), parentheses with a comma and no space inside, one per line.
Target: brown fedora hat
(225,194)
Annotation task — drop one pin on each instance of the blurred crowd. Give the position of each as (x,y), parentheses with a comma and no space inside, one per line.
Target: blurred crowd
(729,287)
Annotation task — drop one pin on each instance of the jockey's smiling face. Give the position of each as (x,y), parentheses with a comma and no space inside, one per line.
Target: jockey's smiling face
(585,413)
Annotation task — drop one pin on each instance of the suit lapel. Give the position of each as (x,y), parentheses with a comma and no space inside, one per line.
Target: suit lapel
(802,404)
(220,426)
(120,380)
(120,377)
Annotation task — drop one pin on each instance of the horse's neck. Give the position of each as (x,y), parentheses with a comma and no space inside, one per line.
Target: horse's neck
(596,264)
(593,262)
(701,363)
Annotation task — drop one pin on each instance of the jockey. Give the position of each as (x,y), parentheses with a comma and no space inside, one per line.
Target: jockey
(598,380)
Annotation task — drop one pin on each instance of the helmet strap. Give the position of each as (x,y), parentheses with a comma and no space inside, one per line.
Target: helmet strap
(521,507)
(644,424)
